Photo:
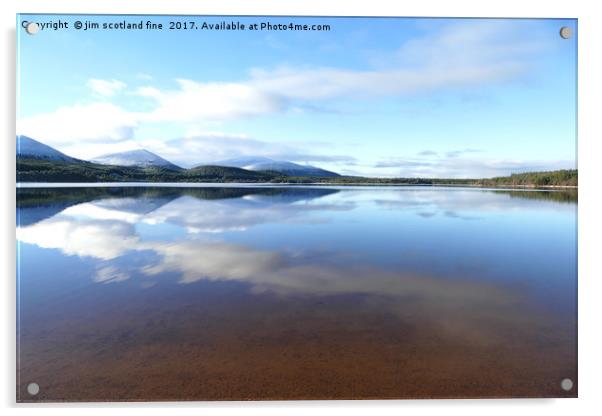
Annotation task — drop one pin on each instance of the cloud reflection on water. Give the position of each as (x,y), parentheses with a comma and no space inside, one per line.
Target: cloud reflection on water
(113,234)
(108,228)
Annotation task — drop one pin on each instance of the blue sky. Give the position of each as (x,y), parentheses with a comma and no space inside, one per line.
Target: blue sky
(375,97)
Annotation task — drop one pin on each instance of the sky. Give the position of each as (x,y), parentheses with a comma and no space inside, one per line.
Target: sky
(383,97)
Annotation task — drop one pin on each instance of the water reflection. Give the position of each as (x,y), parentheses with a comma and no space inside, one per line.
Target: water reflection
(424,282)
(459,202)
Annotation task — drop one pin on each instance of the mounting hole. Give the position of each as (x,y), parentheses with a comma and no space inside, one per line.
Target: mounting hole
(565,32)
(566,384)
(33,388)
(32,28)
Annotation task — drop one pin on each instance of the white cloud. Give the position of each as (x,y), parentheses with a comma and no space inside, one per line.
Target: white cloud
(106,88)
(200,147)
(96,122)
(282,89)
(328,83)
(207,147)
(210,100)
(110,274)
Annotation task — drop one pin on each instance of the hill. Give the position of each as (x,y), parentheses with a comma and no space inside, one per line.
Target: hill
(33,149)
(140,157)
(264,164)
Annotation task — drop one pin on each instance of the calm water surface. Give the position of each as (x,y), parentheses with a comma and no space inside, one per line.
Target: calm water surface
(291,293)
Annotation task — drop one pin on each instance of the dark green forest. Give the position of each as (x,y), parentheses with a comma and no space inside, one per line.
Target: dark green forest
(555,178)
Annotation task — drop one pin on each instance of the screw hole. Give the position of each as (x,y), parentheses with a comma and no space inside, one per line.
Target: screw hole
(33,388)
(566,384)
(565,32)
(32,28)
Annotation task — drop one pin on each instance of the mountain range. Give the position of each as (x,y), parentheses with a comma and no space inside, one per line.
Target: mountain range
(37,162)
(28,148)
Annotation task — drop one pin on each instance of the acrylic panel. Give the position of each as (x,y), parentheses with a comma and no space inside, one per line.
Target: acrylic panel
(286,208)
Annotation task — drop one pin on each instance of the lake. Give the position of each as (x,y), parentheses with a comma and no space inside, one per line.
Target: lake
(259,292)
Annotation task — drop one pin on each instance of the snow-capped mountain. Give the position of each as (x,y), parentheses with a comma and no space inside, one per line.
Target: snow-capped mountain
(241,162)
(258,163)
(140,157)
(30,148)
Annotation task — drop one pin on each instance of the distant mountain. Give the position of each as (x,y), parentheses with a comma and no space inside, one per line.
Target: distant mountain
(140,158)
(291,169)
(28,148)
(258,163)
(240,162)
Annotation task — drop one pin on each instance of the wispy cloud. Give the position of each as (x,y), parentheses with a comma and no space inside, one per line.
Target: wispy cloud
(461,152)
(144,76)
(110,274)
(285,88)
(475,43)
(400,162)
(455,166)
(106,88)
(211,146)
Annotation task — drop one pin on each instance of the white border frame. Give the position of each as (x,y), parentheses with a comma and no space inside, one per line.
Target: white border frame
(590,271)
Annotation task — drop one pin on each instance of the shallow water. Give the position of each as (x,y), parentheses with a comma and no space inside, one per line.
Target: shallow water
(287,293)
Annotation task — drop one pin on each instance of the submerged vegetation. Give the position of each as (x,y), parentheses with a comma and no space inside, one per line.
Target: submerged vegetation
(40,170)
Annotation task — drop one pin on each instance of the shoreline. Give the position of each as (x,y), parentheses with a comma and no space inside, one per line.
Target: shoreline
(26,185)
